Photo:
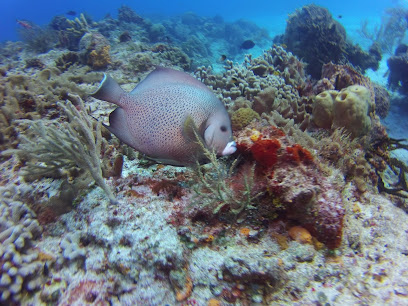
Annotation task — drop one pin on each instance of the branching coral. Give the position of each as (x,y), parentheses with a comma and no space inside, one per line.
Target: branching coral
(70,31)
(23,97)
(21,264)
(268,84)
(57,148)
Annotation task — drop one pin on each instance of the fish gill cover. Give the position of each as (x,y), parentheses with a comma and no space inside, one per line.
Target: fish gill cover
(314,192)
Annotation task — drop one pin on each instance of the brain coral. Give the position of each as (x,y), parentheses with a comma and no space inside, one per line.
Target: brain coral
(242,117)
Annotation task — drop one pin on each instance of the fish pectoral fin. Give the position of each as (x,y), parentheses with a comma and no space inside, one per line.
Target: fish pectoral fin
(191,131)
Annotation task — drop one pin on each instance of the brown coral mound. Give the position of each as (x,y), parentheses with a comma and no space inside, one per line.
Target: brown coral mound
(297,187)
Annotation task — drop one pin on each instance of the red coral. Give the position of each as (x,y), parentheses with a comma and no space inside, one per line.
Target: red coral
(298,154)
(169,187)
(47,215)
(299,190)
(264,151)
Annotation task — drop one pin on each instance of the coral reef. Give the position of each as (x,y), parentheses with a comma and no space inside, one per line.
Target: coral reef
(54,150)
(70,32)
(67,60)
(21,264)
(126,14)
(339,77)
(391,31)
(313,35)
(398,67)
(94,50)
(25,97)
(38,39)
(198,36)
(272,91)
(296,216)
(293,180)
(242,117)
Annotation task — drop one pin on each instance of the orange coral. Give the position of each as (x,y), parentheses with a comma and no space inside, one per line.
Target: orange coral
(99,59)
(299,154)
(264,151)
(185,294)
(245,231)
(300,235)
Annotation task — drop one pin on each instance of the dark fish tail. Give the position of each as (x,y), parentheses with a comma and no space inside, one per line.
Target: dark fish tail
(109,90)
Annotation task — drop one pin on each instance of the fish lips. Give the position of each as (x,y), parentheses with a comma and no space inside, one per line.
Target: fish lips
(230,148)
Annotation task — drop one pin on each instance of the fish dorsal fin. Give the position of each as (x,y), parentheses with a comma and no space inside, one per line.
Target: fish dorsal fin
(167,76)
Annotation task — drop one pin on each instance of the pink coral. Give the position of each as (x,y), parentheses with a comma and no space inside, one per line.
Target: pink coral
(86,292)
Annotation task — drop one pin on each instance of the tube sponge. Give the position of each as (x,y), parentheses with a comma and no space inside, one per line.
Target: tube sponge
(323,108)
(352,107)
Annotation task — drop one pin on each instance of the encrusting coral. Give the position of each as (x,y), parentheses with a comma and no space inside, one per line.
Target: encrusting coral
(94,50)
(276,177)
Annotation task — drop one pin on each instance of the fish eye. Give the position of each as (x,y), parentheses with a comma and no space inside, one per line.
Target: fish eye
(223,128)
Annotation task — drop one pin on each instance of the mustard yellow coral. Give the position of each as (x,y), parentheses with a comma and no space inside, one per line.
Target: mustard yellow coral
(242,117)
(99,59)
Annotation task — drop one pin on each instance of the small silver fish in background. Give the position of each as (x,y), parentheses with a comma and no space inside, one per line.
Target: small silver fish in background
(161,116)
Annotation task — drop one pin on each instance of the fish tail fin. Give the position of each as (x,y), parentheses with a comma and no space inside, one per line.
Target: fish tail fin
(109,90)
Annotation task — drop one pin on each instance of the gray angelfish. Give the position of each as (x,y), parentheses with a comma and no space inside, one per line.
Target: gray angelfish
(162,115)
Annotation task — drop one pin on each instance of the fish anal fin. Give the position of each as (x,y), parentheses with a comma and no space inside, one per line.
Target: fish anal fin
(118,126)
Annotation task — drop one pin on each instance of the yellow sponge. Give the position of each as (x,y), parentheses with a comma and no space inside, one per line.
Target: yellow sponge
(350,108)
(323,108)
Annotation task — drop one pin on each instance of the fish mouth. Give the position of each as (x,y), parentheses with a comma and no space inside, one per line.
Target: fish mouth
(230,148)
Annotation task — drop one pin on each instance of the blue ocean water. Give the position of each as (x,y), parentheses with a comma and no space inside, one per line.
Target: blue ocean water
(269,14)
